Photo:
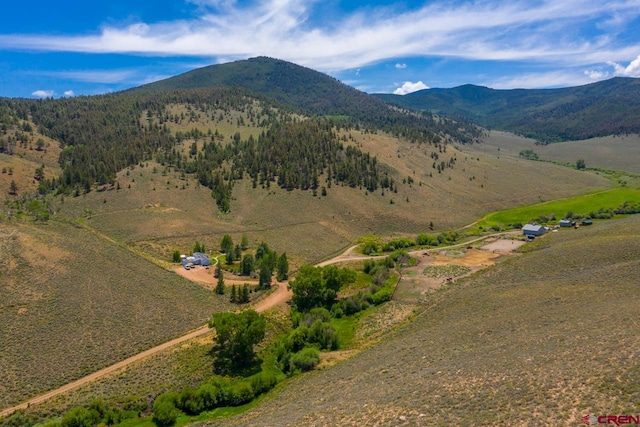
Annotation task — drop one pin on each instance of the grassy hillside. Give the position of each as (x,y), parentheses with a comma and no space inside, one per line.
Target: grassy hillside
(612,152)
(541,339)
(72,302)
(598,109)
(23,150)
(158,210)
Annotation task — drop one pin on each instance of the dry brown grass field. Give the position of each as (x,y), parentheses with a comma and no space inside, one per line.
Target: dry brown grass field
(72,302)
(157,211)
(611,152)
(540,339)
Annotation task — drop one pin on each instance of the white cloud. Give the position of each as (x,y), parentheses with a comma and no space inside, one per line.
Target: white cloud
(409,87)
(69,93)
(540,80)
(631,70)
(401,66)
(43,93)
(596,74)
(516,30)
(92,76)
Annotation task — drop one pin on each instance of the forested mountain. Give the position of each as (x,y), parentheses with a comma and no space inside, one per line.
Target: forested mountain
(295,113)
(316,94)
(610,107)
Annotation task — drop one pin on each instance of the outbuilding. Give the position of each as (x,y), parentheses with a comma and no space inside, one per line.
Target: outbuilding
(533,230)
(567,223)
(198,258)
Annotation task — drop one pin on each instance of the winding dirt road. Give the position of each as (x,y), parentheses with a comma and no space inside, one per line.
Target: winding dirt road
(279,296)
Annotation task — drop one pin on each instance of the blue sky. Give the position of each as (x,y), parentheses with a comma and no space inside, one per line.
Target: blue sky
(80,47)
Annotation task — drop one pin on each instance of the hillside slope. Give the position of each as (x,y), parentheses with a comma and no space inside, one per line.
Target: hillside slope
(72,302)
(604,108)
(515,345)
(316,94)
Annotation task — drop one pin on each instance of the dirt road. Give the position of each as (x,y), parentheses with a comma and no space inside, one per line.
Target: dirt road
(279,296)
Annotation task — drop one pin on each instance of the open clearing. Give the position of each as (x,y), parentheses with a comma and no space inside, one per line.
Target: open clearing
(435,269)
(585,204)
(612,152)
(205,276)
(503,245)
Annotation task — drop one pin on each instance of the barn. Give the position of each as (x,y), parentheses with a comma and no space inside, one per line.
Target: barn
(533,230)
(567,223)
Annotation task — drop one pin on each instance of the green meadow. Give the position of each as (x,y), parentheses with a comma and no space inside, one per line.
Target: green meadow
(580,205)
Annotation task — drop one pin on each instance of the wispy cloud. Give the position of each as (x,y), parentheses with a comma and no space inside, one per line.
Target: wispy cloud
(43,93)
(92,76)
(409,87)
(515,30)
(401,66)
(540,79)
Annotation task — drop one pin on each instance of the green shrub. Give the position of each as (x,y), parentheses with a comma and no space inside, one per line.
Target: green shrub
(165,413)
(381,296)
(370,248)
(80,417)
(324,335)
(297,339)
(305,360)
(239,393)
(263,382)
(209,395)
(191,402)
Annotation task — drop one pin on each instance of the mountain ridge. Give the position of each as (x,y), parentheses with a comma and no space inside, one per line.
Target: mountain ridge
(609,107)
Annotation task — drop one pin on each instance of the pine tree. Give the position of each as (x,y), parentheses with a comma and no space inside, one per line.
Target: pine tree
(283,267)
(220,285)
(244,243)
(234,294)
(265,276)
(13,188)
(244,294)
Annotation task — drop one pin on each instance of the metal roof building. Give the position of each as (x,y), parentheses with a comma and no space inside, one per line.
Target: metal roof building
(198,258)
(533,230)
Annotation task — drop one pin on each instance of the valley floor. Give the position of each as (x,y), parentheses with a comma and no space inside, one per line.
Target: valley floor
(540,339)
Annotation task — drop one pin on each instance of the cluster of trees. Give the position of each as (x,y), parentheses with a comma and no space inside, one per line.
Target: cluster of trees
(239,294)
(318,286)
(293,155)
(216,393)
(299,349)
(380,290)
(97,413)
(236,337)
(102,135)
(30,206)
(423,239)
(529,155)
(629,208)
